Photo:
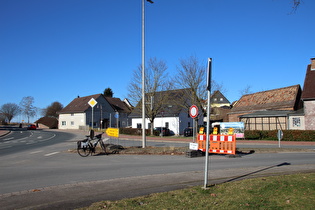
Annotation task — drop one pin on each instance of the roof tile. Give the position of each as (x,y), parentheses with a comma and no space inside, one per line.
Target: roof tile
(276,99)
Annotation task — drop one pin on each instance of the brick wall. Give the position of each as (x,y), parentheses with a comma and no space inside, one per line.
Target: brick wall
(309,112)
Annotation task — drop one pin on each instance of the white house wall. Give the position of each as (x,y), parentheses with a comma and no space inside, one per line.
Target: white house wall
(173,123)
(71,121)
(176,124)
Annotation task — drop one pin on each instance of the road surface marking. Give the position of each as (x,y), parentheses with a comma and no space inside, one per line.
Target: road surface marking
(49,154)
(36,152)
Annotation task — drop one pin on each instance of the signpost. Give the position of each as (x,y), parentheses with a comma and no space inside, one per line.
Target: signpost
(208,121)
(193,112)
(92,102)
(280,136)
(117,118)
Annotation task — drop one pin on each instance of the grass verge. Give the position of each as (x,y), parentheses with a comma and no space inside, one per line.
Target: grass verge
(182,150)
(295,191)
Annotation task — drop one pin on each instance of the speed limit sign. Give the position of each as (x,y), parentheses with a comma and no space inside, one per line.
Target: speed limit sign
(193,111)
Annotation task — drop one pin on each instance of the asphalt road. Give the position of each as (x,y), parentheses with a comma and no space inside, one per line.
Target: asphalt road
(43,174)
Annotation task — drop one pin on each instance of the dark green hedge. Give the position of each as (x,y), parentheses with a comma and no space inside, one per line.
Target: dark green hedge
(133,131)
(288,135)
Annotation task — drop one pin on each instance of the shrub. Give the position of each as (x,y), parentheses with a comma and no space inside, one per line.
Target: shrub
(288,135)
(133,131)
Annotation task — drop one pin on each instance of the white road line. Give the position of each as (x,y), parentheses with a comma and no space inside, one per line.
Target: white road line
(6,139)
(49,154)
(36,152)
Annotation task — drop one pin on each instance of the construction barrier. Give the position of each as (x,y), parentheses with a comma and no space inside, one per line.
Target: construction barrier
(220,144)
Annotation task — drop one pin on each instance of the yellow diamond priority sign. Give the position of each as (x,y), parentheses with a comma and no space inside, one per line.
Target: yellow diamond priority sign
(92,102)
(114,132)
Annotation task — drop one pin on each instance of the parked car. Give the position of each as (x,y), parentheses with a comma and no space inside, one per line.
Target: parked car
(161,131)
(31,127)
(188,132)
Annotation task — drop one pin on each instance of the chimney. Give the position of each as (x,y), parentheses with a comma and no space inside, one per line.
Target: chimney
(312,64)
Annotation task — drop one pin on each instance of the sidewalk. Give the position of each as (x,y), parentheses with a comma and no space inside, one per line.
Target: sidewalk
(190,139)
(179,139)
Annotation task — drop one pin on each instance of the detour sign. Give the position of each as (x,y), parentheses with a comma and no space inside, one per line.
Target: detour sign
(114,132)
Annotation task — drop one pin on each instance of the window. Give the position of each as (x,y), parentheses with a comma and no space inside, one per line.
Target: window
(167,125)
(138,125)
(63,123)
(72,114)
(296,122)
(72,122)
(188,124)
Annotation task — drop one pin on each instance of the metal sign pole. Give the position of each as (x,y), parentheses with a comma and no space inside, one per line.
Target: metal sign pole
(280,136)
(194,130)
(92,119)
(92,102)
(208,123)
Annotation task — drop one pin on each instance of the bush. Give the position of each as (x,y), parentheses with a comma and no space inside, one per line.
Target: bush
(133,131)
(288,135)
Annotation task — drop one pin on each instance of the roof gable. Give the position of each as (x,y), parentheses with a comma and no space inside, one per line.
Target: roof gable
(79,104)
(276,99)
(50,122)
(218,98)
(309,83)
(174,104)
(118,105)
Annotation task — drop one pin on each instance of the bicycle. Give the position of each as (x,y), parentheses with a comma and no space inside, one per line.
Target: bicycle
(86,147)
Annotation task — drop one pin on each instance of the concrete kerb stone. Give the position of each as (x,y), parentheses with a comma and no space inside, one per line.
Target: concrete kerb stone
(4,132)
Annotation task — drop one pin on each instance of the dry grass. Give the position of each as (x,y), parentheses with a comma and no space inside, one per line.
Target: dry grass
(279,192)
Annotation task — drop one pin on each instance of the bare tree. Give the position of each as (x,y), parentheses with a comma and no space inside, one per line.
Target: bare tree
(246,90)
(191,75)
(156,81)
(27,107)
(9,111)
(296,4)
(53,109)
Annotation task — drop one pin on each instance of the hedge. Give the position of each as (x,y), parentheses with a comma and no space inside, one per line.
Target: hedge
(288,135)
(134,131)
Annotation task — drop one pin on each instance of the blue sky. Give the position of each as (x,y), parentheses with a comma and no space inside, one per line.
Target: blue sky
(55,50)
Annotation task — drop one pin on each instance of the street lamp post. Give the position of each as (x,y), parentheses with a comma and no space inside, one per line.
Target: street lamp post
(143,74)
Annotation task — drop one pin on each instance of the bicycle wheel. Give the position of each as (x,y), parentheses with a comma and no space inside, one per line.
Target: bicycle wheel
(103,147)
(83,148)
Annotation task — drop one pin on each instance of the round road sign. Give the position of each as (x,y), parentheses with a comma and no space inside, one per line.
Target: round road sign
(193,111)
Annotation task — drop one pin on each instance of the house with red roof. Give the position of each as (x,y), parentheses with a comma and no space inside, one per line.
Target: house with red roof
(308,96)
(267,110)
(108,112)
(287,108)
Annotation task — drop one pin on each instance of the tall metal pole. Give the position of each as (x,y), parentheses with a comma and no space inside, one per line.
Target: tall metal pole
(92,117)
(208,123)
(143,80)
(143,74)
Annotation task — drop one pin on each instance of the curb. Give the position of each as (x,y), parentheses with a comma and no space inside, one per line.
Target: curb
(4,133)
